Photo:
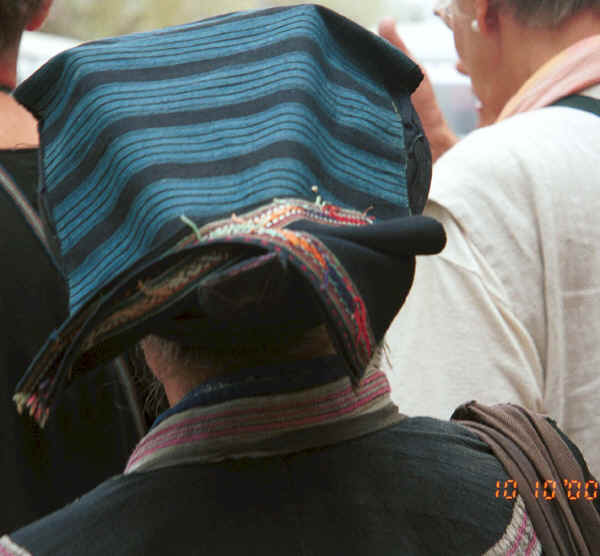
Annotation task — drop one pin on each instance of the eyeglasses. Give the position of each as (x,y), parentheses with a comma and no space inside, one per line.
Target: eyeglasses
(447,10)
(443,10)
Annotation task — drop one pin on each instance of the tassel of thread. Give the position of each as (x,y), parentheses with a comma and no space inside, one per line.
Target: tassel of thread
(192,225)
(34,406)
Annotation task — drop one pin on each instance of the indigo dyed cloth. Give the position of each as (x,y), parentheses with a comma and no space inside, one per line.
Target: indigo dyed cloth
(178,166)
(211,118)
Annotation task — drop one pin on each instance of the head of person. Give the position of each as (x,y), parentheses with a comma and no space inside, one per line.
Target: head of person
(175,368)
(501,43)
(17,16)
(275,216)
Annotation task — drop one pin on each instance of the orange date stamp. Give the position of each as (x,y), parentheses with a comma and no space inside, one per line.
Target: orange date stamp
(575,490)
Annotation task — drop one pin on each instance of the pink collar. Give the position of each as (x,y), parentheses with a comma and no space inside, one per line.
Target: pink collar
(571,71)
(258,426)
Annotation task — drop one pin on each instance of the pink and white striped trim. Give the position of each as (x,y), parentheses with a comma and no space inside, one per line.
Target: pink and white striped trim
(520,538)
(254,419)
(9,548)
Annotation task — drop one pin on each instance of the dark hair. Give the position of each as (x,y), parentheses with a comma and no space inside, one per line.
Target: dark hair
(264,350)
(216,361)
(14,15)
(547,13)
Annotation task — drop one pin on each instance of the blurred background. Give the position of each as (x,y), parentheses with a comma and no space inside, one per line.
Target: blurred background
(431,43)
(90,19)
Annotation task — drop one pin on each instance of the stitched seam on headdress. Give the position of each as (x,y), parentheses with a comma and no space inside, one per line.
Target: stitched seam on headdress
(37,393)
(266,224)
(156,292)
(281,213)
(262,226)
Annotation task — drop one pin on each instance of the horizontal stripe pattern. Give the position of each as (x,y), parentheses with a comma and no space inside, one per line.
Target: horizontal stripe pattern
(520,538)
(235,425)
(183,50)
(212,141)
(208,92)
(211,117)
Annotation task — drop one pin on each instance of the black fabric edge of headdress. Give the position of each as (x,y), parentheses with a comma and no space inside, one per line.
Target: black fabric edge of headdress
(404,236)
(366,47)
(113,345)
(403,77)
(155,323)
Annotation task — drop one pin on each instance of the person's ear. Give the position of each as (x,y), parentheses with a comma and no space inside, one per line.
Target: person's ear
(486,16)
(38,18)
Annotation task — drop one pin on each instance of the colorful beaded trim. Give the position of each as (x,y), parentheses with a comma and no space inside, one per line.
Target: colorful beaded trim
(266,227)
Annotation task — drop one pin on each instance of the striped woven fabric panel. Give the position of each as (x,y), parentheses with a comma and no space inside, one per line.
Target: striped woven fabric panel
(210,118)
(520,538)
(236,428)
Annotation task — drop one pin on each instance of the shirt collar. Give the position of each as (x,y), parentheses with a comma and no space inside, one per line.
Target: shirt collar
(571,71)
(267,411)
(265,380)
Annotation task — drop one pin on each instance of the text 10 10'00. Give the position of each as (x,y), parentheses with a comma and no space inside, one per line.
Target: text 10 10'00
(575,490)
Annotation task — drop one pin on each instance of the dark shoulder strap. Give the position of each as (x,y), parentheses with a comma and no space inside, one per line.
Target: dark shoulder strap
(580,102)
(11,189)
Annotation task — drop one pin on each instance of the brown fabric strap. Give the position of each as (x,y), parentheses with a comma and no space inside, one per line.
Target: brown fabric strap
(531,451)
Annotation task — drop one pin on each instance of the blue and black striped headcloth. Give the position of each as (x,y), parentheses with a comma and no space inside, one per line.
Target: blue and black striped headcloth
(285,136)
